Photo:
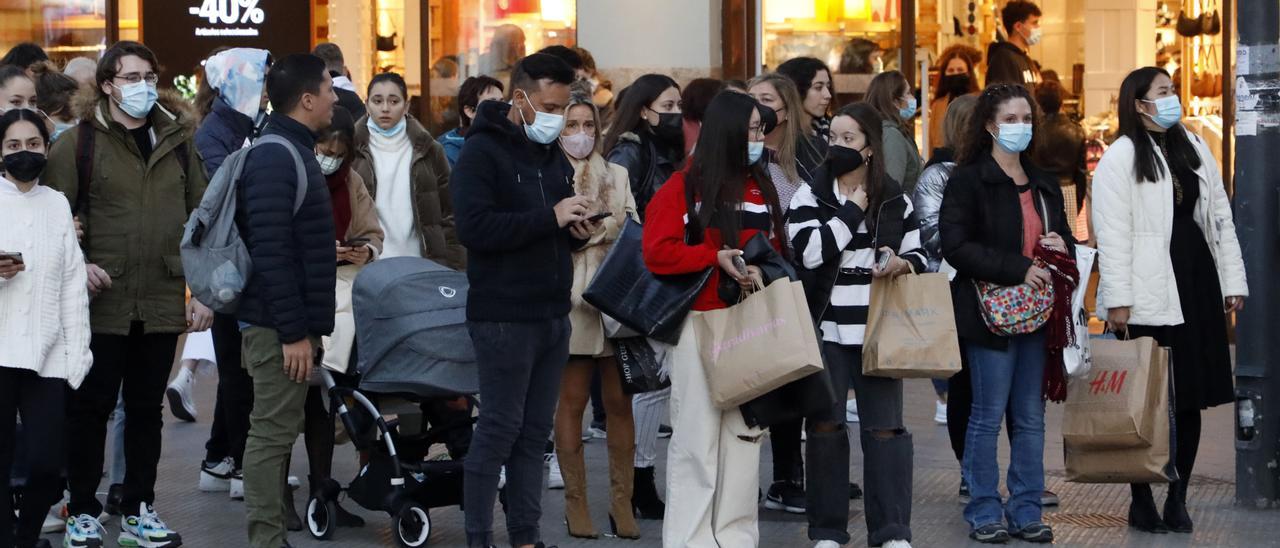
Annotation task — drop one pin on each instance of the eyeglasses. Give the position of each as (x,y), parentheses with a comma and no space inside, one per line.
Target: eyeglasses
(133,78)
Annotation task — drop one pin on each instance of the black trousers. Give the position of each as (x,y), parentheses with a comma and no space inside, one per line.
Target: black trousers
(141,363)
(235,395)
(40,403)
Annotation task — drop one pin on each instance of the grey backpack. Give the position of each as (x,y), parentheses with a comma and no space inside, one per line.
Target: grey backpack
(216,261)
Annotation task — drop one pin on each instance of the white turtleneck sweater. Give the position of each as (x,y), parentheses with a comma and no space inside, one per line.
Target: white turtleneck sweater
(44,310)
(392,160)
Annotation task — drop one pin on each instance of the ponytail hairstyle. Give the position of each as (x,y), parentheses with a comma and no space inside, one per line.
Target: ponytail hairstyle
(883,94)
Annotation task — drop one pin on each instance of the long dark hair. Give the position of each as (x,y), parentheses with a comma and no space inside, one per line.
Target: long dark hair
(640,94)
(977,140)
(870,122)
(718,173)
(13,116)
(1145,165)
(802,71)
(883,93)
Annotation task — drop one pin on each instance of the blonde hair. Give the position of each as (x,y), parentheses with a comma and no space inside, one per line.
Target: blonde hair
(580,94)
(795,125)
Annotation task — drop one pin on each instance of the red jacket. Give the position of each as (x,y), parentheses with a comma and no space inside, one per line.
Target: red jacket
(665,250)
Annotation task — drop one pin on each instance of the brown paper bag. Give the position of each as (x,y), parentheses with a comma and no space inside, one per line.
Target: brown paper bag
(757,345)
(1152,464)
(911,329)
(1108,408)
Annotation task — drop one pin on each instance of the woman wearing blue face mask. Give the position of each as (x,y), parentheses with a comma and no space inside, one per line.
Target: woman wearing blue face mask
(1170,265)
(698,220)
(407,173)
(997,210)
(54,92)
(890,94)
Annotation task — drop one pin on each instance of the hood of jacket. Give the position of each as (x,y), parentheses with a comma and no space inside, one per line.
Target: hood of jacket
(236,120)
(491,118)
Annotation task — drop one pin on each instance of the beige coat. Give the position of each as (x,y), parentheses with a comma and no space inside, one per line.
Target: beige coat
(608,185)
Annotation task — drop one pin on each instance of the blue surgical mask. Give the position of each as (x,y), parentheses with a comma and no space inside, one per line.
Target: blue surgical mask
(1168,111)
(1014,137)
(546,127)
(136,99)
(395,130)
(755,149)
(59,128)
(910,110)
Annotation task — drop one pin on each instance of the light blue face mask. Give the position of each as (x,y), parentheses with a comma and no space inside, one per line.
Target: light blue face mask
(395,130)
(1014,137)
(59,128)
(910,110)
(1168,111)
(136,99)
(546,127)
(755,150)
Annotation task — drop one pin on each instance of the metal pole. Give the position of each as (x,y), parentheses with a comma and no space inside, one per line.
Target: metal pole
(1257,210)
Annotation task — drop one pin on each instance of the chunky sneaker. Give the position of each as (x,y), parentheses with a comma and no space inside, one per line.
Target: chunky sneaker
(787,496)
(83,531)
(555,480)
(940,412)
(145,530)
(179,392)
(994,533)
(236,487)
(851,411)
(1036,532)
(217,477)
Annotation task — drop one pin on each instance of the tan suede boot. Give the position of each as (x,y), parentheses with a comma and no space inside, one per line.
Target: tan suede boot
(577,515)
(622,446)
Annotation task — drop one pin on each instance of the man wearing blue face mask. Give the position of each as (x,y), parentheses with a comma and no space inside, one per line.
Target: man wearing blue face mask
(1009,61)
(132,175)
(518,217)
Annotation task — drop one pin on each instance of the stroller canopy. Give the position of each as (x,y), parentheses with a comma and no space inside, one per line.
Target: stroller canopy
(411,329)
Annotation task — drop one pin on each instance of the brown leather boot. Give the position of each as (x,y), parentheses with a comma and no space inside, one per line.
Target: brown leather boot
(621,440)
(576,513)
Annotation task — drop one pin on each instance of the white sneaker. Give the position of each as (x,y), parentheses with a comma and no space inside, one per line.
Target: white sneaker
(294,483)
(851,411)
(940,412)
(896,544)
(179,393)
(217,478)
(502,477)
(83,531)
(146,530)
(237,485)
(827,544)
(555,480)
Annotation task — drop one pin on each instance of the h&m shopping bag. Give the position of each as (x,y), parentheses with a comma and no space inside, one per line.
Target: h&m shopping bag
(1152,464)
(911,329)
(757,345)
(1076,356)
(1111,407)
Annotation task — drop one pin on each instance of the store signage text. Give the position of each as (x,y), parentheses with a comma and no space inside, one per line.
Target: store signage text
(245,15)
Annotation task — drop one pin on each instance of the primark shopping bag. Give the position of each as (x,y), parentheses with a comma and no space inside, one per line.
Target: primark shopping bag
(911,329)
(1110,408)
(760,344)
(1150,464)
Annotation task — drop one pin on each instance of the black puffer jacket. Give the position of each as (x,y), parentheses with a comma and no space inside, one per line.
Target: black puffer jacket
(505,188)
(648,165)
(294,260)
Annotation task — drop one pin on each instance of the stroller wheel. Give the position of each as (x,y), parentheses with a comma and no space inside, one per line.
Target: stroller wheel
(412,526)
(322,518)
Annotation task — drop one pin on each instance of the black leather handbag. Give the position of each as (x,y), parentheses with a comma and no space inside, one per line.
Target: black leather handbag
(624,288)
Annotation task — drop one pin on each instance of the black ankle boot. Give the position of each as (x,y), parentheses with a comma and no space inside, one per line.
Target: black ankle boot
(645,501)
(1142,511)
(1176,517)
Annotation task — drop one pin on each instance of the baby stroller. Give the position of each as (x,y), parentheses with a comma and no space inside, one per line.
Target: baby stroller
(413,347)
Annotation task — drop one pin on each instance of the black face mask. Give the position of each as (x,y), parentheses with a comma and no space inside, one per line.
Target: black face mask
(954,85)
(24,166)
(670,128)
(844,160)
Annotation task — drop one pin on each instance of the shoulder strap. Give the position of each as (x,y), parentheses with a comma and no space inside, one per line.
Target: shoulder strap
(298,166)
(84,164)
(184,157)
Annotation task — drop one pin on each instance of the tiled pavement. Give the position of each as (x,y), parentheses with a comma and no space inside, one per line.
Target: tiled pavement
(1090,515)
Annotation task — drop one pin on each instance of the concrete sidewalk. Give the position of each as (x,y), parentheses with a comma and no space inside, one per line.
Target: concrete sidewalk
(1090,515)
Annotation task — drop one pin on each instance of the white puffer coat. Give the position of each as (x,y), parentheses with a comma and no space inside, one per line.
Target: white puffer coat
(1133,223)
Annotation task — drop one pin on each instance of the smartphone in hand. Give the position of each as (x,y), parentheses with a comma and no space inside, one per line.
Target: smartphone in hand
(355,242)
(599,216)
(12,256)
(882,260)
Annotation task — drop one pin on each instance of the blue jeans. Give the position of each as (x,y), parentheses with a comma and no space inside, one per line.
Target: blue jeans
(1008,379)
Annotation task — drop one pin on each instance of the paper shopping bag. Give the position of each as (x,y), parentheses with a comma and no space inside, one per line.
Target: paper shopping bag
(757,345)
(1110,408)
(911,329)
(1076,355)
(639,363)
(1152,464)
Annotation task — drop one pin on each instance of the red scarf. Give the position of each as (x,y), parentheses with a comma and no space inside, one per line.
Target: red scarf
(341,197)
(1060,331)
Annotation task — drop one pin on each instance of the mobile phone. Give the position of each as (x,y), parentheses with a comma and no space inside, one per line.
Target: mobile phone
(355,242)
(599,216)
(882,259)
(740,264)
(13,256)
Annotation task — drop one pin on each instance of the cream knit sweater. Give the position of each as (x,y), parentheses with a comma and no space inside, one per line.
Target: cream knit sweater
(44,310)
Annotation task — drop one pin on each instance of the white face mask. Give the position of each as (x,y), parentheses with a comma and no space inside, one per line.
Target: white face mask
(546,127)
(1034,36)
(328,164)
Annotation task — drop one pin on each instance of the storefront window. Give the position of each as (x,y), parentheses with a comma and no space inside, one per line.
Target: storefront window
(856,38)
(64,28)
(473,37)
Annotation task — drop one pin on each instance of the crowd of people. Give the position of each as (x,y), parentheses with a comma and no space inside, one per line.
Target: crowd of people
(101,169)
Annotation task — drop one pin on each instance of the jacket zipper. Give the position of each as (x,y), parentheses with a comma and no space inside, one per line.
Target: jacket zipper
(555,250)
